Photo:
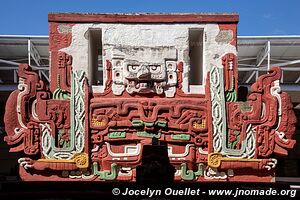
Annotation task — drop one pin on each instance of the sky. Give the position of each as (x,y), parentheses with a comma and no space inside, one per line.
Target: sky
(257,17)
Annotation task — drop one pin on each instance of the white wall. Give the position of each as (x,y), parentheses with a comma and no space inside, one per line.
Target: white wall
(149,43)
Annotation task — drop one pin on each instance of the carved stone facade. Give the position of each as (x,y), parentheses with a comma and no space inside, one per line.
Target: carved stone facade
(73,130)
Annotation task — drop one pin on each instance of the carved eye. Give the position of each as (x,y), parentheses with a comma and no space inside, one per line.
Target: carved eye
(118,63)
(154,69)
(133,68)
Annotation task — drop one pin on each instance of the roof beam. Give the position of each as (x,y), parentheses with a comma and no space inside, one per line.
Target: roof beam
(11,87)
(284,87)
(262,69)
(247,80)
(17,67)
(263,54)
(9,62)
(33,53)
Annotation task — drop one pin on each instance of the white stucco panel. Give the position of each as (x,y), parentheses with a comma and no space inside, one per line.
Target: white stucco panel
(148,43)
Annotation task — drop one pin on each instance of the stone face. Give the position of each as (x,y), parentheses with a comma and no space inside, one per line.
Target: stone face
(78,129)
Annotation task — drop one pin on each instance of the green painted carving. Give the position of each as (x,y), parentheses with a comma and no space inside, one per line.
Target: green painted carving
(149,124)
(60,94)
(180,136)
(220,133)
(114,135)
(161,123)
(187,175)
(140,123)
(106,174)
(232,142)
(63,138)
(110,175)
(95,169)
(77,131)
(200,171)
(231,96)
(190,175)
(146,134)
(137,123)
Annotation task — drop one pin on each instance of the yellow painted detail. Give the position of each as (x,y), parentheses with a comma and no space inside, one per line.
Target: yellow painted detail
(57,161)
(96,122)
(215,159)
(199,126)
(81,160)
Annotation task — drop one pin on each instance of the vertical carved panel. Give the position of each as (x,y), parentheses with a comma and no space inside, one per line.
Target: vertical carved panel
(218,107)
(229,63)
(78,109)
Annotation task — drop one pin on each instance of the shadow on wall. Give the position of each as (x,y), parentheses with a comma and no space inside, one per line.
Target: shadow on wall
(243,93)
(9,168)
(289,166)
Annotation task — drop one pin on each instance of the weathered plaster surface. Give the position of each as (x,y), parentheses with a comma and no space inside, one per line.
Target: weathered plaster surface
(153,43)
(224,37)
(63,28)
